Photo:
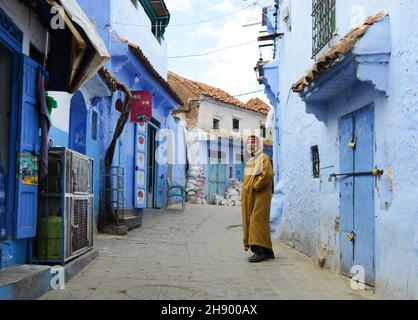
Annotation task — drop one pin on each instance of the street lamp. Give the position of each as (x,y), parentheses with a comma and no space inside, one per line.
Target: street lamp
(259,70)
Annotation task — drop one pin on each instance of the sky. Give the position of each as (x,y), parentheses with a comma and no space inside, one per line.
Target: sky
(232,69)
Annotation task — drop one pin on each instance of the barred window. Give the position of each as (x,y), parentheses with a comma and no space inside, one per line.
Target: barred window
(315,162)
(323,23)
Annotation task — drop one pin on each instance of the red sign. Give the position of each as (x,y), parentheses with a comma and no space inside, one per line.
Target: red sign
(141,106)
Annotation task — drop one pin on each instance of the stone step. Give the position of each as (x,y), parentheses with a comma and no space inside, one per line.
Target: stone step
(132,222)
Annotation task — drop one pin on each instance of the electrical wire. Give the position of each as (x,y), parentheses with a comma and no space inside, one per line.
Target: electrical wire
(233,96)
(191,23)
(213,51)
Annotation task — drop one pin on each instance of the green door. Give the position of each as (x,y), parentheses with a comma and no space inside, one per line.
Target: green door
(217,180)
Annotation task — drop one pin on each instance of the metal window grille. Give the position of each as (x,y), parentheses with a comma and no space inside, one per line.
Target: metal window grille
(323,24)
(315,162)
(94,122)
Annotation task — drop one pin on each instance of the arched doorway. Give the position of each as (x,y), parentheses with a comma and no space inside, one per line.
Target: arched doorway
(78,123)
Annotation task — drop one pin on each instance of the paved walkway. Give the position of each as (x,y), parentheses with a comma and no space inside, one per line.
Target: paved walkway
(198,255)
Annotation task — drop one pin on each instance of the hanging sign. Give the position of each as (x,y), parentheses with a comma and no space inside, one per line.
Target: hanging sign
(141,106)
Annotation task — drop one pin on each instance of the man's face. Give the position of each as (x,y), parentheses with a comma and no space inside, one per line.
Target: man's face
(251,146)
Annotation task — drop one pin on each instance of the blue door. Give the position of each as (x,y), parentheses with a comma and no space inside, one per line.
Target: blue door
(161,156)
(28,148)
(357,215)
(217,179)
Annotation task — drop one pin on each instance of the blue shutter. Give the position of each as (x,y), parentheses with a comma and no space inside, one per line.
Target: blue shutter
(161,169)
(28,147)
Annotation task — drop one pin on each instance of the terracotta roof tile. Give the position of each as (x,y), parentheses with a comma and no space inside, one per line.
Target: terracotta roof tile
(258,105)
(202,89)
(336,53)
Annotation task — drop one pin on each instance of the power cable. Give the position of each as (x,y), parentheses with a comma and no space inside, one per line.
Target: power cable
(213,51)
(233,96)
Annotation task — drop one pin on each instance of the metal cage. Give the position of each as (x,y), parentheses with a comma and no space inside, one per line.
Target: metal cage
(65,208)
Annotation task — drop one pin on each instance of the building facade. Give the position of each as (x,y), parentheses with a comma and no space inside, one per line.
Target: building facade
(341,84)
(139,60)
(216,124)
(35,39)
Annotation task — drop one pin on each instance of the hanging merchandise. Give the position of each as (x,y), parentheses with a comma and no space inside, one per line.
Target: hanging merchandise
(51,104)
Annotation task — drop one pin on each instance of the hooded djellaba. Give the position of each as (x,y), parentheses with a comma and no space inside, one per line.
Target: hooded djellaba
(256,199)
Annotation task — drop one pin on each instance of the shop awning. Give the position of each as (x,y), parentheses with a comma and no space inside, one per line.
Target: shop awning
(99,55)
(76,52)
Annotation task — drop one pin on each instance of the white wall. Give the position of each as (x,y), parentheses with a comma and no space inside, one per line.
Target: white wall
(134,25)
(24,18)
(249,120)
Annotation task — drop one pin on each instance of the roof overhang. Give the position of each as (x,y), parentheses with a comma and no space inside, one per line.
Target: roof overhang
(129,57)
(362,57)
(76,51)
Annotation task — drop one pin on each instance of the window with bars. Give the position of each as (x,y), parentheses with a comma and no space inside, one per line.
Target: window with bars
(323,24)
(315,162)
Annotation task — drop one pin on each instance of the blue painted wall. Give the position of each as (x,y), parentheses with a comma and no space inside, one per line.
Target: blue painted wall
(310,220)
(126,67)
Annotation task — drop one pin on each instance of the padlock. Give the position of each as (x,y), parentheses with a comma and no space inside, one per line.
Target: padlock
(351,236)
(352,143)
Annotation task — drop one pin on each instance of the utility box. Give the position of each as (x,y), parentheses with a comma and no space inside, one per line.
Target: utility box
(65,208)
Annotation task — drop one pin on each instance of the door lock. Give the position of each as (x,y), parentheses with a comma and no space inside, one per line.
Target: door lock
(352,143)
(351,236)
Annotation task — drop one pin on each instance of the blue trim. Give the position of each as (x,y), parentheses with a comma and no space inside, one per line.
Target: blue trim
(10,32)
(16,82)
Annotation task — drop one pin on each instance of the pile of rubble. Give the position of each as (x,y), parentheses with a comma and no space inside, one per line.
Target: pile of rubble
(232,196)
(195,186)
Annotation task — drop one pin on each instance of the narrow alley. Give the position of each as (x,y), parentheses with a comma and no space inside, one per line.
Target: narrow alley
(198,255)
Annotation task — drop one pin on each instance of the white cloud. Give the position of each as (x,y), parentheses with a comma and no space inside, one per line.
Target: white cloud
(232,69)
(224,6)
(179,5)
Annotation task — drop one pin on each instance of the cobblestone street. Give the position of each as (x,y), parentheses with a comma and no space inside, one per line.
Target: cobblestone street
(198,254)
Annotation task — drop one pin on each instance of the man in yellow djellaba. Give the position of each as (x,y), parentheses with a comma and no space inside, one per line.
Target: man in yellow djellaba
(256,200)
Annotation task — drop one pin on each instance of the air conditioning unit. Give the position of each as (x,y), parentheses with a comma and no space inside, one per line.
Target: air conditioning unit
(65,208)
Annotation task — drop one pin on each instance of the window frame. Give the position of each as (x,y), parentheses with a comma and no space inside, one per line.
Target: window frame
(218,124)
(324,24)
(94,125)
(263,131)
(316,162)
(234,121)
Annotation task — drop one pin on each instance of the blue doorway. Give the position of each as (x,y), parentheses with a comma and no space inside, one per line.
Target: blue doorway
(357,210)
(78,124)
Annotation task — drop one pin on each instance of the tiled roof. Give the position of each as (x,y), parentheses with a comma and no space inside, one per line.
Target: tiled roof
(202,89)
(258,105)
(148,66)
(335,54)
